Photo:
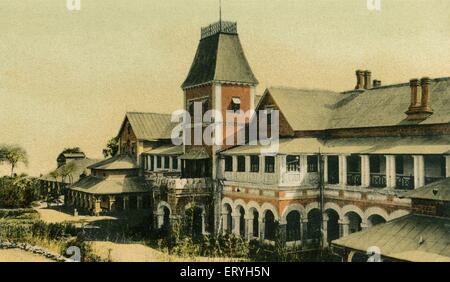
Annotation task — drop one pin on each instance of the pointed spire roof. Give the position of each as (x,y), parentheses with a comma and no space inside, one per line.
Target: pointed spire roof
(220,57)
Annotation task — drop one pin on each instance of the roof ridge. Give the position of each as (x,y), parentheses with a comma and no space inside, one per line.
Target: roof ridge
(399,84)
(300,89)
(149,113)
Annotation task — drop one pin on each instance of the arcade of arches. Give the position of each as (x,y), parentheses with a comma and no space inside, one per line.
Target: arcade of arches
(297,223)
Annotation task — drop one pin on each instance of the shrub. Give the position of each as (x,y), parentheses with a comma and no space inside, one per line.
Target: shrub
(18,192)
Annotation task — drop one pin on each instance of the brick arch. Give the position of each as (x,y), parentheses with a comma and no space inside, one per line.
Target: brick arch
(267,206)
(310,207)
(398,213)
(352,208)
(335,207)
(164,204)
(237,203)
(227,201)
(376,211)
(294,207)
(255,205)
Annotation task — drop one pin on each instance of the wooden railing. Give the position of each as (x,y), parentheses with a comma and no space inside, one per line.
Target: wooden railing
(354,178)
(377,180)
(404,182)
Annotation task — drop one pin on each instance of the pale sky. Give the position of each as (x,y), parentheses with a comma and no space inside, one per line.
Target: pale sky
(67,78)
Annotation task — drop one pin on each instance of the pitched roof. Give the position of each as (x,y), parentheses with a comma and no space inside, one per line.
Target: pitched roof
(166,150)
(116,163)
(367,145)
(73,155)
(149,126)
(111,185)
(386,106)
(380,106)
(79,167)
(305,109)
(403,237)
(439,191)
(220,57)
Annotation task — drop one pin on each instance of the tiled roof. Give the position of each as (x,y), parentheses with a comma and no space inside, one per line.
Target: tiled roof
(439,191)
(305,109)
(368,145)
(165,150)
(116,163)
(150,126)
(111,185)
(380,106)
(220,57)
(404,237)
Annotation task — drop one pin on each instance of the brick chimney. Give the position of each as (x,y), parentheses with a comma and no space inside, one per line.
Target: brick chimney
(359,79)
(367,79)
(376,83)
(425,103)
(419,108)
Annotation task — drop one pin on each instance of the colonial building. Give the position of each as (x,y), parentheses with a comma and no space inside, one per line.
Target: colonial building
(343,163)
(114,185)
(71,166)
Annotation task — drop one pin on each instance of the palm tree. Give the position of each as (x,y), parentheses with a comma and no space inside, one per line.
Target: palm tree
(13,154)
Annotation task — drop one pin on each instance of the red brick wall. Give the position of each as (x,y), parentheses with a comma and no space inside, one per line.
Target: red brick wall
(229,92)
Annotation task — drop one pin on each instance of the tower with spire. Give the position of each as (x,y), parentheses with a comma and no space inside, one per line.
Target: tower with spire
(221,79)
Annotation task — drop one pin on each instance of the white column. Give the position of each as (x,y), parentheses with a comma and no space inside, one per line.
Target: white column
(247,163)
(179,164)
(283,168)
(344,227)
(155,163)
(325,228)
(249,227)
(170,163)
(419,171)
(225,223)
(390,171)
(234,161)
(236,223)
(365,171)
(262,228)
(303,165)
(447,166)
(325,169)
(342,170)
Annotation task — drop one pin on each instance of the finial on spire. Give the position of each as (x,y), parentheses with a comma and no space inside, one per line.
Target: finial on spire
(220,11)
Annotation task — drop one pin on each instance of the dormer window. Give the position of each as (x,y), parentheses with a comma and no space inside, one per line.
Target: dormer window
(235,104)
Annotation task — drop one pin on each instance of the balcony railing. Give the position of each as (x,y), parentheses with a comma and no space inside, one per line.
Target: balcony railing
(377,180)
(354,178)
(404,182)
(430,179)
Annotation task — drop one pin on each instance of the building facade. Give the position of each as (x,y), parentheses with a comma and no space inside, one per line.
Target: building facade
(343,163)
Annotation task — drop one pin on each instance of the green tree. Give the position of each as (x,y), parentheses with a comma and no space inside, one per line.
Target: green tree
(66,172)
(112,147)
(13,154)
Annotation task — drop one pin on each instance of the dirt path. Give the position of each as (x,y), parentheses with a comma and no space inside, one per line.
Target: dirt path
(140,253)
(16,255)
(51,215)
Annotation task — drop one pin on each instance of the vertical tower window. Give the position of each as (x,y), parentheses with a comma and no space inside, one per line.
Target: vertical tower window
(312,162)
(235,104)
(254,163)
(228,163)
(269,164)
(241,163)
(293,163)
